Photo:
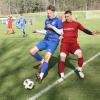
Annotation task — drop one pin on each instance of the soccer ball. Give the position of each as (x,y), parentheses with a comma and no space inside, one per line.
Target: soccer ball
(28,84)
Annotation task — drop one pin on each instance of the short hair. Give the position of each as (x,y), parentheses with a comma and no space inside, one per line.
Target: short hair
(51,7)
(68,12)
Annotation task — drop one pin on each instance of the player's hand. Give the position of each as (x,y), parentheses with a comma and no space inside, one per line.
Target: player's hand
(49,26)
(96,33)
(33,31)
(60,37)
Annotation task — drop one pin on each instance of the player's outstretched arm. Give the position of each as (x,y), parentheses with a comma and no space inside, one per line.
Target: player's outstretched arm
(59,31)
(90,32)
(40,31)
(33,31)
(87,32)
(96,33)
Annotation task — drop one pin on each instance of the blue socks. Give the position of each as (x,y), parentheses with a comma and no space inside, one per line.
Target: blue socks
(37,56)
(44,67)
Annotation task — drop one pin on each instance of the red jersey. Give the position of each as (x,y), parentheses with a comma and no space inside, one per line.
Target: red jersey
(9,23)
(70,30)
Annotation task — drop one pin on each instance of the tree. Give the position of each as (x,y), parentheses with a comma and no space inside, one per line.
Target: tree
(26,6)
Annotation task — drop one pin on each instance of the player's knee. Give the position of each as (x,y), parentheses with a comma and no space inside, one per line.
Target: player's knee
(33,50)
(78,52)
(47,57)
(62,56)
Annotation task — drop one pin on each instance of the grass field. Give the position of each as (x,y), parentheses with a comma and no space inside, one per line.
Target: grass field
(16,65)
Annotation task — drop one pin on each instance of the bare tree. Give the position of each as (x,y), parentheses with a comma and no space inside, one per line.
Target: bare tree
(26,6)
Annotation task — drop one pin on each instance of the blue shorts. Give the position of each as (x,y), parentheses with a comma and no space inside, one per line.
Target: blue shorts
(22,27)
(50,46)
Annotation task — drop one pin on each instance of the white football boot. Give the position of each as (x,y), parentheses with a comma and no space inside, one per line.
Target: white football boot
(62,78)
(80,72)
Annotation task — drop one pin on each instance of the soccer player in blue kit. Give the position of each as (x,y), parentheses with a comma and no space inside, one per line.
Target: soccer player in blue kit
(17,21)
(53,29)
(22,25)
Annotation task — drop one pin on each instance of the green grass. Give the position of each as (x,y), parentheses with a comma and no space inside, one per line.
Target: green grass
(16,65)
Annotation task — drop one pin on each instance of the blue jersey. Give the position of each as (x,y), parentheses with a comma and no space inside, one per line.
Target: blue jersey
(22,21)
(17,21)
(51,34)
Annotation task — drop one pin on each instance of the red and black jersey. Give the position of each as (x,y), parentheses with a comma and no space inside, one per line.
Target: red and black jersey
(9,23)
(70,30)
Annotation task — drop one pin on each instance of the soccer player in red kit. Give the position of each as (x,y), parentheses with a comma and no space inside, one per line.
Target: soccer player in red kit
(69,43)
(10,25)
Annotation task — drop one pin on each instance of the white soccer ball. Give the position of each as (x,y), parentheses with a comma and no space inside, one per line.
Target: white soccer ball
(28,84)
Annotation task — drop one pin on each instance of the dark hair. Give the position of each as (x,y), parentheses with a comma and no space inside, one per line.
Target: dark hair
(51,7)
(68,12)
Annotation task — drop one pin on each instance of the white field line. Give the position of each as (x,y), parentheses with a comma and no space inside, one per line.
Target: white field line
(36,96)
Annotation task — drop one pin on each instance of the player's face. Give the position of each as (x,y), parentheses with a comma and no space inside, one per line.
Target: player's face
(68,17)
(50,14)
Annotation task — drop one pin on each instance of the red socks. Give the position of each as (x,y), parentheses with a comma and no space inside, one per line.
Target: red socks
(80,62)
(61,66)
(62,63)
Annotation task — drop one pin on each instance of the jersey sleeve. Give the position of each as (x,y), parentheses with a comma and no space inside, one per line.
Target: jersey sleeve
(59,23)
(81,27)
(45,26)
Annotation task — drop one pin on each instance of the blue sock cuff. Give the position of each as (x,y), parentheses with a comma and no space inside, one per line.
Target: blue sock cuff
(44,67)
(37,56)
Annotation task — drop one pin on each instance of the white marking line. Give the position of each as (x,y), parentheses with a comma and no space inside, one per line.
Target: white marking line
(36,96)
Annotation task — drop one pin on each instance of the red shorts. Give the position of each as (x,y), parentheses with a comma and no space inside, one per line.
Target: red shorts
(69,47)
(10,26)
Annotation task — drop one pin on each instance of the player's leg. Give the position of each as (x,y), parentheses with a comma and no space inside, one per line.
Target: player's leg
(63,54)
(17,25)
(45,65)
(23,30)
(61,66)
(50,47)
(12,30)
(24,34)
(35,54)
(78,52)
(34,51)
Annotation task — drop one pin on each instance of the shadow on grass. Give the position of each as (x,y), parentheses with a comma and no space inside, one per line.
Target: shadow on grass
(15,67)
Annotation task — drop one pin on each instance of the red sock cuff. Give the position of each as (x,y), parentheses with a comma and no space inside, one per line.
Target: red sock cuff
(80,62)
(61,66)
